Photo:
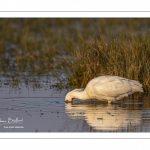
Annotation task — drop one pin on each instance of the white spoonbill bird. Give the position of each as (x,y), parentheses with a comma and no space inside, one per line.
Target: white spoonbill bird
(105,88)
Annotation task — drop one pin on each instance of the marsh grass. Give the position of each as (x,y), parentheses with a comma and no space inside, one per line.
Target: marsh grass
(26,46)
(127,55)
(82,48)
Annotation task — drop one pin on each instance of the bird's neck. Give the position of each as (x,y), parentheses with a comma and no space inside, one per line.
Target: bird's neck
(81,95)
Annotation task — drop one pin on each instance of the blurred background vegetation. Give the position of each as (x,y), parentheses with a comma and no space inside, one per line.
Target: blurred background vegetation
(80,48)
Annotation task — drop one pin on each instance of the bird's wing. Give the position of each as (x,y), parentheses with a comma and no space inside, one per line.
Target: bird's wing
(112,88)
(106,78)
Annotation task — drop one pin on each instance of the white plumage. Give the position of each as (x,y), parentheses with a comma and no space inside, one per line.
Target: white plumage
(106,88)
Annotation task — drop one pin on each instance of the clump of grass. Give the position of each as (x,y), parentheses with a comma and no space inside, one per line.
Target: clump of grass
(127,55)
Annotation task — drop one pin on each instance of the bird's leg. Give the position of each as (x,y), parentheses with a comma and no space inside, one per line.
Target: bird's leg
(109,102)
(115,107)
(113,101)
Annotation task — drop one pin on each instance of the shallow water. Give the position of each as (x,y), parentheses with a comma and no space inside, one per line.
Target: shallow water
(41,108)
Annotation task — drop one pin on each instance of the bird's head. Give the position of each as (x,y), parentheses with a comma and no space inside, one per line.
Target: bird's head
(69,97)
(73,94)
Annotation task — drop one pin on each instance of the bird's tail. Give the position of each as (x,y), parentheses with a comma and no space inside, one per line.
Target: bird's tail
(136,86)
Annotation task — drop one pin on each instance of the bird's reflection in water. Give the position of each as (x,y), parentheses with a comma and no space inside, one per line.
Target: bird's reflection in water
(103,116)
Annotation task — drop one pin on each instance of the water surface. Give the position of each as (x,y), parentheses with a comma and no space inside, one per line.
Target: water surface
(40,107)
